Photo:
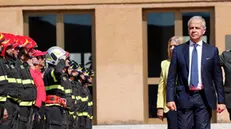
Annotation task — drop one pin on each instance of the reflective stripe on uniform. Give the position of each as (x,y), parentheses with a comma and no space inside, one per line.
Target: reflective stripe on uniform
(19,80)
(15,99)
(11,80)
(26,103)
(52,87)
(52,105)
(67,91)
(53,75)
(27,81)
(82,99)
(3,78)
(84,114)
(71,113)
(90,103)
(2,98)
(73,97)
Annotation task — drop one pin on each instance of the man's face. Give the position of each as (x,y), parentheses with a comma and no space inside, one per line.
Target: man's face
(9,51)
(196,30)
(15,52)
(41,60)
(29,52)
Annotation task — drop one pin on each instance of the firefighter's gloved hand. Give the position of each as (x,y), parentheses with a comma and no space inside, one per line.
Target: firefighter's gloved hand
(64,102)
(60,58)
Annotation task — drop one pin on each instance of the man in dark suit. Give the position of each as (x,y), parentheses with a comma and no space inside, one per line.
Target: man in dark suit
(225,60)
(195,68)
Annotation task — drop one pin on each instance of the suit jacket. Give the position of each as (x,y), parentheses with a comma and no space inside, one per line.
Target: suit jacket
(161,95)
(225,61)
(210,72)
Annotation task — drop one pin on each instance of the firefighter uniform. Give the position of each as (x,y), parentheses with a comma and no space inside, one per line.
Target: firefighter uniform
(27,96)
(3,83)
(14,81)
(75,94)
(27,90)
(83,97)
(66,83)
(55,92)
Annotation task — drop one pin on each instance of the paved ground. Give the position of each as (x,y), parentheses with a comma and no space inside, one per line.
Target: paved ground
(214,126)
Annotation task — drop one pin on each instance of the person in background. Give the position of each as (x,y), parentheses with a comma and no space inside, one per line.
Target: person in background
(161,96)
(38,63)
(225,61)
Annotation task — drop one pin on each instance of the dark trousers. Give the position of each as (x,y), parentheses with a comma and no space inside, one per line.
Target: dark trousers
(197,116)
(25,120)
(39,118)
(172,119)
(12,110)
(84,122)
(55,118)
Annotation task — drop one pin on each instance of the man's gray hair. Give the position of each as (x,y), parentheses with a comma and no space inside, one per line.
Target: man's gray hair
(200,18)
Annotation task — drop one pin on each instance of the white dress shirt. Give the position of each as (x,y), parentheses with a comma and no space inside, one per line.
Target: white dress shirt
(199,54)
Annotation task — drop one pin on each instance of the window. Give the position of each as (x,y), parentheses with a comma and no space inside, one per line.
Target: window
(78,37)
(43,30)
(69,30)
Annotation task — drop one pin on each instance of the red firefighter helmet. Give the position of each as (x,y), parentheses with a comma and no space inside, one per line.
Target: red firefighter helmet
(31,44)
(9,41)
(22,41)
(1,37)
(14,40)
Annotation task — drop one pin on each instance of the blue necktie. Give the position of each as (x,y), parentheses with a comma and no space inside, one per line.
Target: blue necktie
(194,67)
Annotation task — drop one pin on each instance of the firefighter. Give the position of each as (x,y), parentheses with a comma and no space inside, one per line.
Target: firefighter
(38,61)
(89,113)
(14,81)
(66,82)
(3,85)
(89,74)
(55,94)
(73,73)
(27,91)
(82,111)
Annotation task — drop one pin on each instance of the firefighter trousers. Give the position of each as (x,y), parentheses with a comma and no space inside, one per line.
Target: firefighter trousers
(73,122)
(12,110)
(25,117)
(39,119)
(56,118)
(84,123)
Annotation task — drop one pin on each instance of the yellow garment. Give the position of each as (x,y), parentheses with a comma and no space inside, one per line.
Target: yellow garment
(161,95)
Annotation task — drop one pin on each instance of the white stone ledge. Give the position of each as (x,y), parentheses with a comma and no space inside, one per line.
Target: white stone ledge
(156,126)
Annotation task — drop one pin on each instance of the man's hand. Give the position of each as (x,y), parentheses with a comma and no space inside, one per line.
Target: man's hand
(5,114)
(160,113)
(220,108)
(171,105)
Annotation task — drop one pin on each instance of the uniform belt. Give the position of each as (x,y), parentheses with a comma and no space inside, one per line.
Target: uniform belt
(54,99)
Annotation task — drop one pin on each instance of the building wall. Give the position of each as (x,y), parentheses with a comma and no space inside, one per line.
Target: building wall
(119,47)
